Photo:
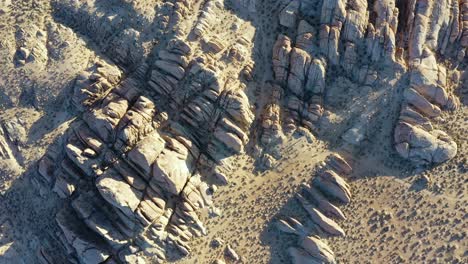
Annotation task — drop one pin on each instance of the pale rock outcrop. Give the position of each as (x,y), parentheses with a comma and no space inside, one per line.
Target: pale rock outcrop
(271,129)
(325,223)
(332,18)
(170,67)
(170,171)
(380,38)
(318,249)
(423,147)
(94,83)
(311,249)
(312,245)
(146,152)
(104,120)
(331,183)
(305,81)
(299,256)
(281,54)
(414,135)
(135,124)
(118,193)
(300,62)
(305,36)
(323,204)
(337,163)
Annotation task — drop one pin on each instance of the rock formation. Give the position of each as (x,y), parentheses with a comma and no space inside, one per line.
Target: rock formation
(170,93)
(131,172)
(328,188)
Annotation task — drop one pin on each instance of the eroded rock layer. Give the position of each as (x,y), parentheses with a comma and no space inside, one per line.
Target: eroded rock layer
(169,99)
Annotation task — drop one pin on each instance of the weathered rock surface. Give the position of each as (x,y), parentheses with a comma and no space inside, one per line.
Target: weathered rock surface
(414,135)
(320,210)
(130,170)
(170,92)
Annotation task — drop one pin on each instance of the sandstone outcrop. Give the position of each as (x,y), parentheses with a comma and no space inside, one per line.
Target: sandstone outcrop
(415,137)
(132,172)
(321,209)
(167,102)
(207,17)
(288,15)
(352,34)
(91,85)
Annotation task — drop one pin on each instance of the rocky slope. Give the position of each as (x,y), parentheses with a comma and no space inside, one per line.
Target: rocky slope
(233,131)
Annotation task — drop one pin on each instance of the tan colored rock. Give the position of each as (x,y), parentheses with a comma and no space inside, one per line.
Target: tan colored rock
(231,253)
(325,223)
(179,46)
(104,120)
(173,57)
(323,204)
(421,103)
(170,172)
(146,152)
(207,17)
(305,36)
(288,15)
(331,183)
(423,147)
(317,248)
(171,68)
(94,83)
(299,66)
(299,256)
(339,164)
(281,55)
(135,124)
(316,77)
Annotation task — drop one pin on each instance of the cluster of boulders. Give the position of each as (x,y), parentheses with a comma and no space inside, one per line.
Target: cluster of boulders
(123,32)
(135,167)
(439,26)
(345,31)
(132,172)
(208,17)
(31,43)
(350,35)
(429,91)
(170,67)
(319,201)
(345,39)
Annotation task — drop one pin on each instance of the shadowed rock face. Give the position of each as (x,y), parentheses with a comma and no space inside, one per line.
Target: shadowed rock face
(320,200)
(354,39)
(136,165)
(176,88)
